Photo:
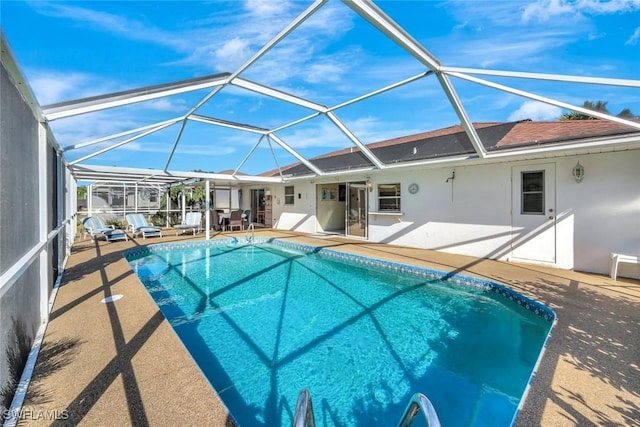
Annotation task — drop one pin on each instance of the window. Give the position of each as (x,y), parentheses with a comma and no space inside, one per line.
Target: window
(532,193)
(222,198)
(389,197)
(289,195)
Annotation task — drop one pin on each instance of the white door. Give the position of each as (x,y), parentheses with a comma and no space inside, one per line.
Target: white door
(533,213)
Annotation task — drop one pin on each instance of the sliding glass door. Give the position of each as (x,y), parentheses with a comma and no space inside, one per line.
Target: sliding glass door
(356,206)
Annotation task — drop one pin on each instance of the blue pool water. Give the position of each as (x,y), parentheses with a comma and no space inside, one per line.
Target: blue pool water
(264,321)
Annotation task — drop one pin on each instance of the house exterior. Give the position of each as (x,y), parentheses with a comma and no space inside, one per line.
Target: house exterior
(563,194)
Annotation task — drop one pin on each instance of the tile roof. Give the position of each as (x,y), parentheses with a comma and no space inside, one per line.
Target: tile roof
(453,141)
(528,132)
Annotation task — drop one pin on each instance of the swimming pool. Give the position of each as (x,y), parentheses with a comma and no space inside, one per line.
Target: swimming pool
(264,321)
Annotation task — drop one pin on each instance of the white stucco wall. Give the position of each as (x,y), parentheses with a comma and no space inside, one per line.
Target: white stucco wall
(472,214)
(605,207)
(467,215)
(301,216)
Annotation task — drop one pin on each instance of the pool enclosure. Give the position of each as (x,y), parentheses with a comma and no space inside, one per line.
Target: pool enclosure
(165,205)
(39,174)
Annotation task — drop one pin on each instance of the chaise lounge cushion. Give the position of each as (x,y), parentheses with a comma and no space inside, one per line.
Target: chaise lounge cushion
(96,227)
(139,225)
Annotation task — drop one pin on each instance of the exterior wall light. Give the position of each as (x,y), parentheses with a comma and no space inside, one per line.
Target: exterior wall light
(578,172)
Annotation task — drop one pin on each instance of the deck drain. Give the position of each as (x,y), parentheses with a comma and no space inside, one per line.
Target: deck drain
(112,298)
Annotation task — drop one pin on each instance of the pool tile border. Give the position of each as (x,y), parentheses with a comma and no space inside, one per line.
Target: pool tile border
(458,279)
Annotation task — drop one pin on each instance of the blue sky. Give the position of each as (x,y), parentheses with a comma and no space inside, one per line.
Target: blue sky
(70,50)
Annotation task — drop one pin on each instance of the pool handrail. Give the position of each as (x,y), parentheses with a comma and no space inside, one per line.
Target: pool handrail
(304,411)
(420,403)
(251,228)
(304,416)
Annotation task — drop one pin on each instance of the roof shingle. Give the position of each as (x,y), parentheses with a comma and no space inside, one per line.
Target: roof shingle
(453,141)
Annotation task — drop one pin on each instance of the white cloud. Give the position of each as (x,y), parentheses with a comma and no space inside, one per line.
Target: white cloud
(493,36)
(633,40)
(250,30)
(324,72)
(509,47)
(232,53)
(155,144)
(224,44)
(607,7)
(544,10)
(327,136)
(266,8)
(315,135)
(165,104)
(110,23)
(595,36)
(226,38)
(83,128)
(54,86)
(535,110)
(51,87)
(370,129)
(256,107)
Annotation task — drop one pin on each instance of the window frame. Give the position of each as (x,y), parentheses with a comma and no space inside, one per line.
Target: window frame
(382,196)
(524,193)
(289,195)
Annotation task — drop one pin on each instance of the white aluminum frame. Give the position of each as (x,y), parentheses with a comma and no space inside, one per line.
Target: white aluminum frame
(372,13)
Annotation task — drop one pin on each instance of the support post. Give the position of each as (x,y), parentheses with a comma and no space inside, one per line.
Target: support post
(168,203)
(207,210)
(43,212)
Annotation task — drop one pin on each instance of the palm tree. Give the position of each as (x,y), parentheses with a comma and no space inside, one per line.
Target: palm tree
(599,106)
(574,115)
(625,114)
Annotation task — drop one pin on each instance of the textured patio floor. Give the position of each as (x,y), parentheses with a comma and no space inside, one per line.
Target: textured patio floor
(122,364)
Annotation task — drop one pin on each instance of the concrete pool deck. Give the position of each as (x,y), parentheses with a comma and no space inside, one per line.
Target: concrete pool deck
(120,363)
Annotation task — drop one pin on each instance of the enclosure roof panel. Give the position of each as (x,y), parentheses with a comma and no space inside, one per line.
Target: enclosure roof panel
(313,88)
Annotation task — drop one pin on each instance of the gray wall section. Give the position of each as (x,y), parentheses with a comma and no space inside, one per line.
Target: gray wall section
(18,175)
(19,213)
(21,303)
(52,217)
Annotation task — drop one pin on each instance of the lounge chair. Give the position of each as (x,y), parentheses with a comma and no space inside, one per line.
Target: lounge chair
(235,220)
(95,227)
(139,225)
(192,221)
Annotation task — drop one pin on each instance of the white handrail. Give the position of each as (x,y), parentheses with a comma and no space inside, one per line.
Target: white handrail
(304,411)
(304,417)
(420,403)
(251,228)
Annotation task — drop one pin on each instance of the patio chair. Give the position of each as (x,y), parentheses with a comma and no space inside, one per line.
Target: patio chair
(246,217)
(192,221)
(235,220)
(139,225)
(215,220)
(96,227)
